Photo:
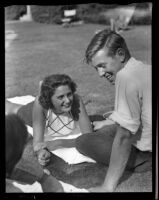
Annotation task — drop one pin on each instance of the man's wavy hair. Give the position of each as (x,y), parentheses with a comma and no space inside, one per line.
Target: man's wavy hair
(105,38)
(48,88)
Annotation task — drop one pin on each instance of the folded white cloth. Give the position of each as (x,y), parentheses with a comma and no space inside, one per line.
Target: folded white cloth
(36,187)
(23,100)
(26,188)
(71,155)
(70,188)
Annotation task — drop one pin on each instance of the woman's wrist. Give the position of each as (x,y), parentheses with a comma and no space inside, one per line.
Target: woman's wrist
(40,146)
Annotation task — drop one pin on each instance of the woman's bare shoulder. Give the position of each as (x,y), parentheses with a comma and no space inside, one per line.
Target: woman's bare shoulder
(38,106)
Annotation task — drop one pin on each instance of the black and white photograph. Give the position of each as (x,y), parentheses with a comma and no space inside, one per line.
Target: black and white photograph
(78,98)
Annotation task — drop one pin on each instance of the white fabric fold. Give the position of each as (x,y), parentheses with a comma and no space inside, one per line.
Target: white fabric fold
(70,188)
(36,187)
(23,100)
(26,188)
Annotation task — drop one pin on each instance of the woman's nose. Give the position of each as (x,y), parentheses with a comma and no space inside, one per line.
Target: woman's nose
(67,100)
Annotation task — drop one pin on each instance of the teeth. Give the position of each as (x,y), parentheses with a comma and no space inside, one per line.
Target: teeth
(109,77)
(67,106)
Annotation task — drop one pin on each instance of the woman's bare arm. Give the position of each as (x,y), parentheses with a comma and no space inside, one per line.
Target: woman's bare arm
(38,123)
(84,121)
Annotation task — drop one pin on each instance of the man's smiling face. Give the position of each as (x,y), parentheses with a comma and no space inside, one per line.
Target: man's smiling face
(106,65)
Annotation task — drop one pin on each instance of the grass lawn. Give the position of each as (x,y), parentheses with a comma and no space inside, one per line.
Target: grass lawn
(41,49)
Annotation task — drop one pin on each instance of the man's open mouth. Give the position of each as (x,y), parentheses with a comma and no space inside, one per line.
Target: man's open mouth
(109,76)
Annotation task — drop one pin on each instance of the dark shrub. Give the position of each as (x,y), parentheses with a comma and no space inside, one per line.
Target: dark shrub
(14,12)
(144,20)
(47,14)
(89,13)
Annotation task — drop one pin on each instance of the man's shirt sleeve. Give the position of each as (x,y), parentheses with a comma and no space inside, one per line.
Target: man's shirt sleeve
(127,104)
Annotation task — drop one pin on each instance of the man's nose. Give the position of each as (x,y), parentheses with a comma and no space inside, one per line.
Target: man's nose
(101,71)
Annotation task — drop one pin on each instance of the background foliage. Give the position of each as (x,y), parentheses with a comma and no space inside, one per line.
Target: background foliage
(89,13)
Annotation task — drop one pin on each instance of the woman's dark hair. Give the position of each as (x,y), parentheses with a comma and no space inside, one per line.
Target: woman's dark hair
(105,38)
(49,85)
(15,139)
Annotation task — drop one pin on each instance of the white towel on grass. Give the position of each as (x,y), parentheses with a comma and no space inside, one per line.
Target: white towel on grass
(29,188)
(70,155)
(36,187)
(70,188)
(23,100)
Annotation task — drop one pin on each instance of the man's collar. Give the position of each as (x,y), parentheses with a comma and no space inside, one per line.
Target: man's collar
(131,62)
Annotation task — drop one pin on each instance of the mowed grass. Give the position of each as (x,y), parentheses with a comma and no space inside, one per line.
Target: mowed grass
(42,49)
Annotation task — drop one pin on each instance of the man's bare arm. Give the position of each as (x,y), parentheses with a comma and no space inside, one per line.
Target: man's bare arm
(119,156)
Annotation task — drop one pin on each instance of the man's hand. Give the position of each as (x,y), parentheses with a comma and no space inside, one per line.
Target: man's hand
(100,124)
(44,157)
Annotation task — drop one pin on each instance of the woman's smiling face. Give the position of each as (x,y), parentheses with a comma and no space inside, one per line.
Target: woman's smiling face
(62,99)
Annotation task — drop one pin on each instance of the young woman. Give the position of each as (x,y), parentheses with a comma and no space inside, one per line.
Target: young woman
(57,112)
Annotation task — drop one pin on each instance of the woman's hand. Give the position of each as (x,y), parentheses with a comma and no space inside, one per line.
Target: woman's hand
(44,157)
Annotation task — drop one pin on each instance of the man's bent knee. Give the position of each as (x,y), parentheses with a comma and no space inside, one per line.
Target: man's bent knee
(81,142)
(11,108)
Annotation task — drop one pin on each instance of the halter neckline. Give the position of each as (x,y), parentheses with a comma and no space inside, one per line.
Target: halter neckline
(49,124)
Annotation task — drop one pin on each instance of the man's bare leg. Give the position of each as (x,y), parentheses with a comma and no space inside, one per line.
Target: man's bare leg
(11,108)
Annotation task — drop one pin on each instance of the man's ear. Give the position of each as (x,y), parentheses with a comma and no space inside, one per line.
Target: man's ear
(121,54)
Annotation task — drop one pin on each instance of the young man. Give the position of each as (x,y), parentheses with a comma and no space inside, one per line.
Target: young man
(109,55)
